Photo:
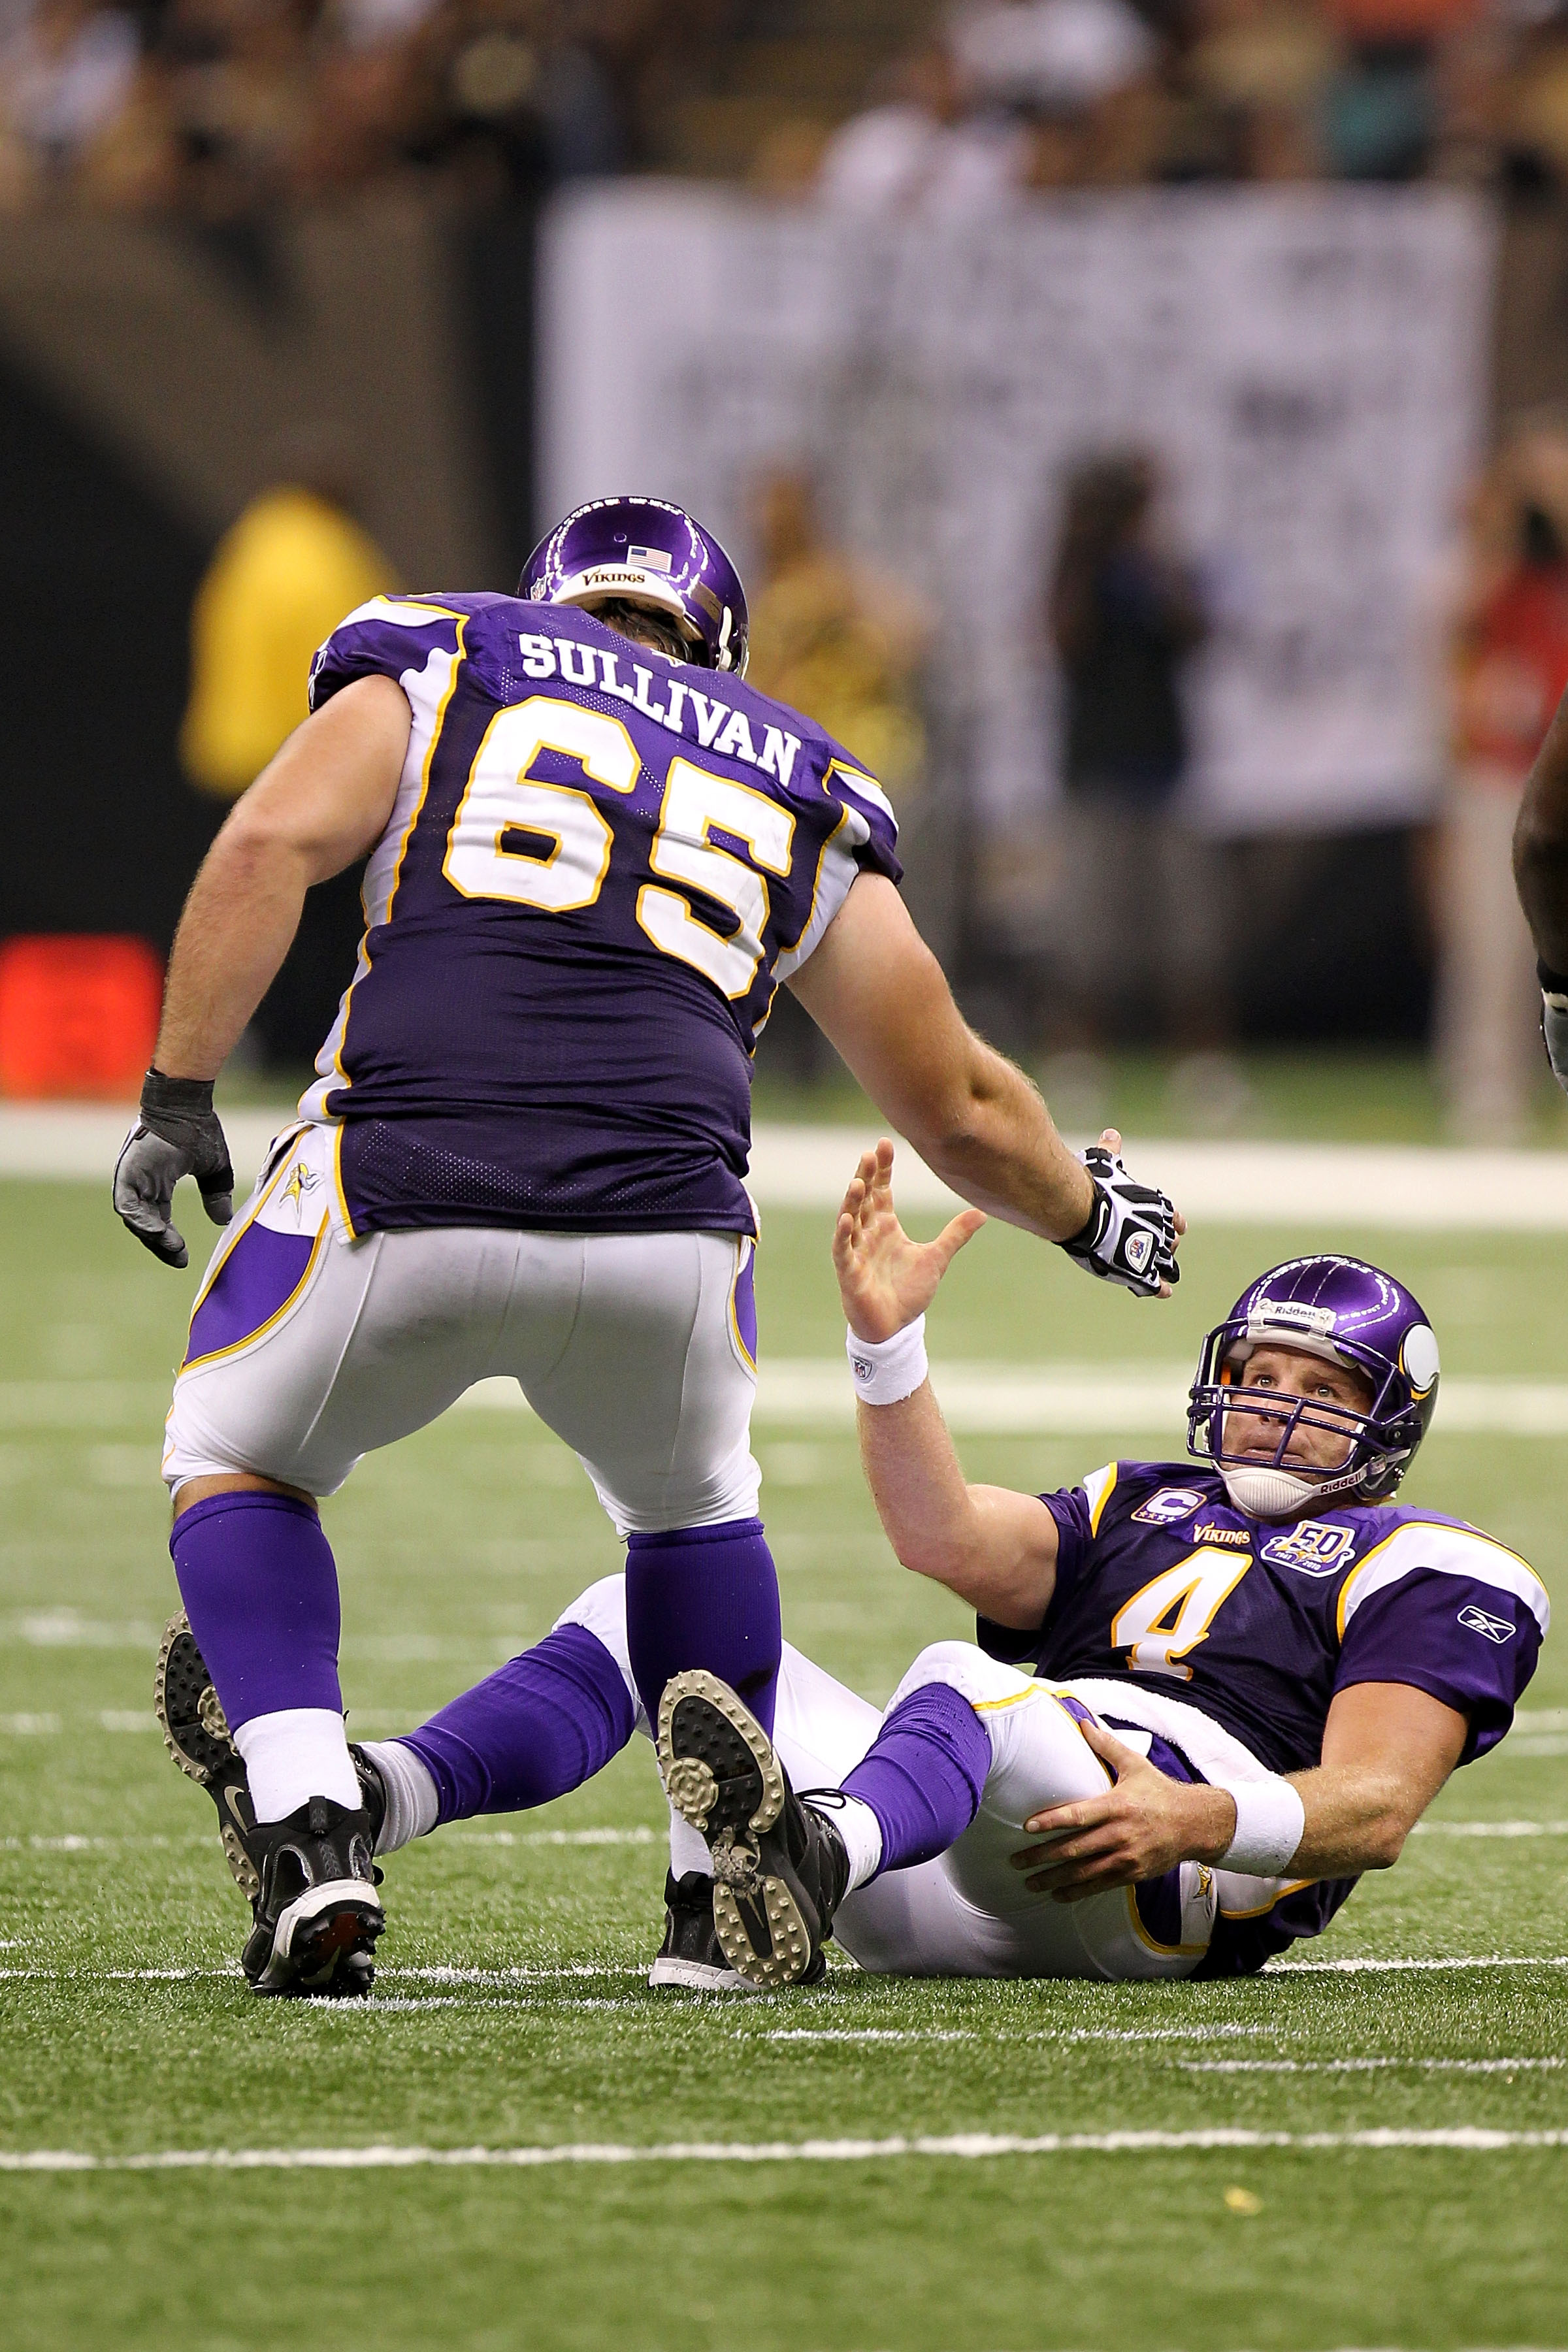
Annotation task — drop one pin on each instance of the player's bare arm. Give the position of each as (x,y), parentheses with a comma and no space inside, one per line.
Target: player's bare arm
(1540,872)
(1387,1750)
(879,994)
(320,804)
(995,1550)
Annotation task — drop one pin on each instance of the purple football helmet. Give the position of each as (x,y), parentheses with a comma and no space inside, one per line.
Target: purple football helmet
(651,554)
(1352,1314)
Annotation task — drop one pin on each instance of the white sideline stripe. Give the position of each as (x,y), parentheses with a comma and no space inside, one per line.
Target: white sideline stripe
(1408,1188)
(1492,1829)
(1061,1400)
(1066,1400)
(966,2147)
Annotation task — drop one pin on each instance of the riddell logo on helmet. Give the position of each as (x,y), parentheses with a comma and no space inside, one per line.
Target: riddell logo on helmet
(1293,1310)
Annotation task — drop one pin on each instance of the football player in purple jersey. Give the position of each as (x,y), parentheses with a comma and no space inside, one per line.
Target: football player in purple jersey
(1205,1695)
(594,852)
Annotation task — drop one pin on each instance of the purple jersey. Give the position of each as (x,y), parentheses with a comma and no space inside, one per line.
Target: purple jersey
(599,866)
(1162,1585)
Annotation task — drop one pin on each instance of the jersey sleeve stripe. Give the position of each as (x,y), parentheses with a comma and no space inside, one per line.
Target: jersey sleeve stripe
(1445,1551)
(400,612)
(454,662)
(863,787)
(836,871)
(429,693)
(1098,1486)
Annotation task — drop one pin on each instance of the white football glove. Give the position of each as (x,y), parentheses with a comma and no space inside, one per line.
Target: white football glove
(1554,1029)
(1130,1235)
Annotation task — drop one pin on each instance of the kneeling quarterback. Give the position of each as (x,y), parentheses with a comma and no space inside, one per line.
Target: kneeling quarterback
(1205,1696)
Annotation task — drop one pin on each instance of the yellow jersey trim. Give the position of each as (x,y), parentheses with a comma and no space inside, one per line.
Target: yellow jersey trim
(996,1706)
(1261,1910)
(746,1242)
(1097,1502)
(1152,1943)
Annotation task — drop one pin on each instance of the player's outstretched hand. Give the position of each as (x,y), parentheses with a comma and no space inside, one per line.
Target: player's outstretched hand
(176,1134)
(885,1279)
(1132,1233)
(1139,1829)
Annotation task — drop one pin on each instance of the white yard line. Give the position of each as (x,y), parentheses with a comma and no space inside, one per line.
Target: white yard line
(1283,1968)
(1405,1187)
(967,2146)
(556,1837)
(1365,2066)
(865,2034)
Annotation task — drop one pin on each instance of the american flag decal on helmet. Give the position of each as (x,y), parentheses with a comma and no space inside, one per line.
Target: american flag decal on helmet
(652,559)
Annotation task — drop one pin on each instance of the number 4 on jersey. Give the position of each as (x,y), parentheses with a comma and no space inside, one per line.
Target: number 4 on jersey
(1173,1613)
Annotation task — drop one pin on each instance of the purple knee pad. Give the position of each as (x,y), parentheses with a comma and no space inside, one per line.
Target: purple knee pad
(705,1597)
(260,1588)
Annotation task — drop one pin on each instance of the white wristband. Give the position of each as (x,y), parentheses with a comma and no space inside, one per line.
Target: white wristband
(1269,1821)
(887,1371)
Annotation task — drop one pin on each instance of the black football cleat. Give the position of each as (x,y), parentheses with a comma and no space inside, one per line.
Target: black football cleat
(315,1908)
(780,1868)
(691,1956)
(317,1913)
(196,1736)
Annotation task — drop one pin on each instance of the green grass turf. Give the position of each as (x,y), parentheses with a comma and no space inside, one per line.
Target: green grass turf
(462,1544)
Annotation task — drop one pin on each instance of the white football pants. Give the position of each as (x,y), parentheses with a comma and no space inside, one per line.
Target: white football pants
(627,1344)
(968,1912)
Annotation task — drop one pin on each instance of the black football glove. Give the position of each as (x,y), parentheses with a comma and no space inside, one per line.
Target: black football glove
(1554,1022)
(1130,1235)
(176,1134)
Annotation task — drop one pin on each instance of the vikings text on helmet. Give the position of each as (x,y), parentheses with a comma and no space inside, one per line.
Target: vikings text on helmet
(652,553)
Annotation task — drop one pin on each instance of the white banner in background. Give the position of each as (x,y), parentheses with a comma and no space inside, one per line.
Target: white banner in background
(1309,363)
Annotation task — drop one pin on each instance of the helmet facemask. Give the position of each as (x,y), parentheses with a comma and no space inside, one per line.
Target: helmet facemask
(1348,1313)
(1376,1449)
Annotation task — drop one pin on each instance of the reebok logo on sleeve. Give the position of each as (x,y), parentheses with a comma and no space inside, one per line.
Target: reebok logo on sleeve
(1494,1629)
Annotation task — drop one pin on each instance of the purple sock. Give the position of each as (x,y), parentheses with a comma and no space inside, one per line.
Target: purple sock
(705,1597)
(260,1588)
(924,1775)
(539,1726)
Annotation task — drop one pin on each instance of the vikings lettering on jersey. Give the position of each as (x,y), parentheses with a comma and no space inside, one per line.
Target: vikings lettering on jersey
(599,866)
(1163,1587)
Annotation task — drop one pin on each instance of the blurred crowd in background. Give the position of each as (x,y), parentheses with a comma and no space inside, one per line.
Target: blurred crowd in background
(212,108)
(214,112)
